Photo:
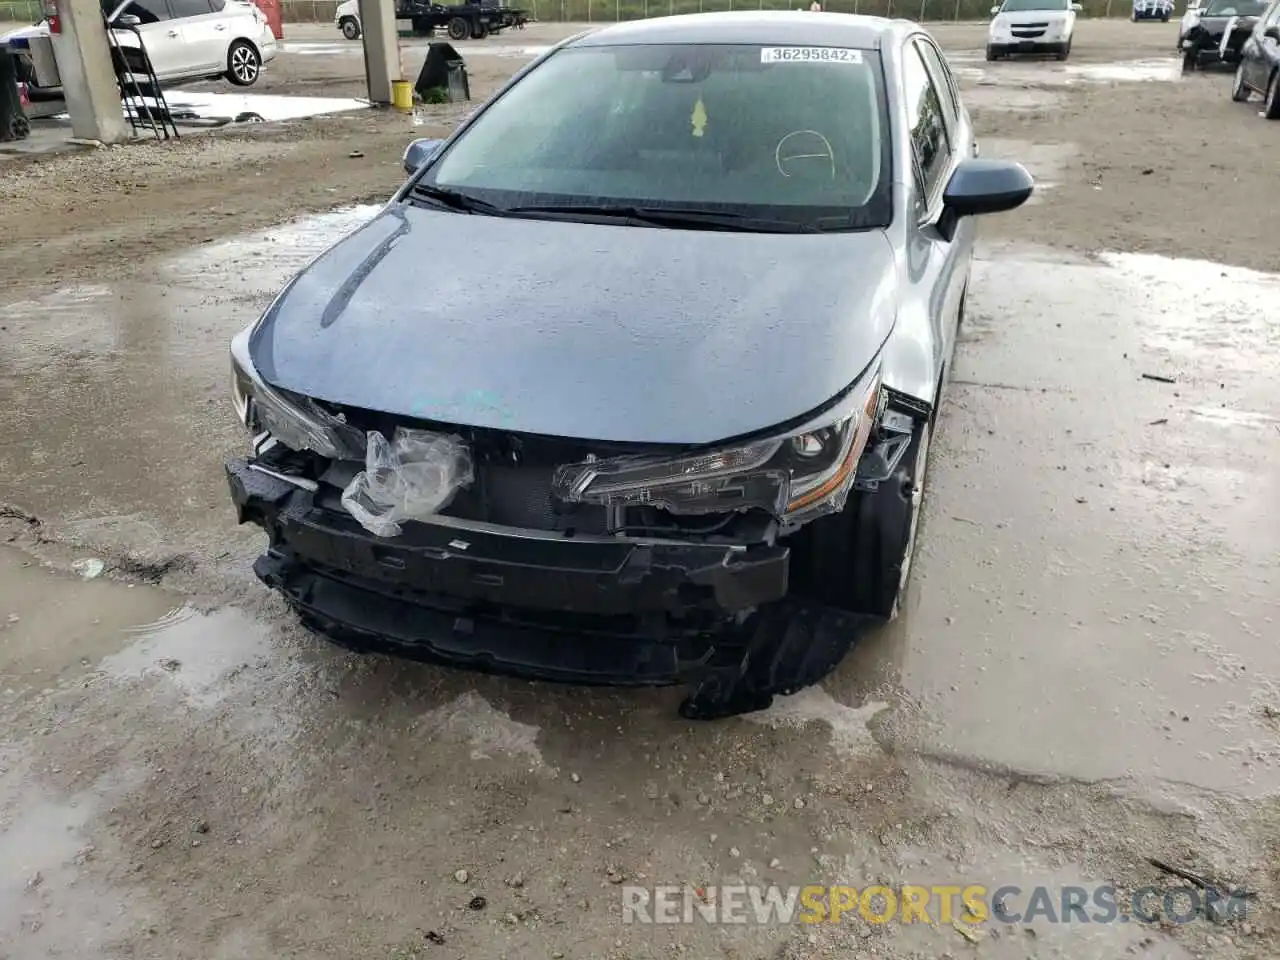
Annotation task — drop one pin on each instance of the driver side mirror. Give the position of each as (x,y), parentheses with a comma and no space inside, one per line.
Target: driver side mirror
(984,186)
(418,153)
(127,20)
(1077,8)
(994,11)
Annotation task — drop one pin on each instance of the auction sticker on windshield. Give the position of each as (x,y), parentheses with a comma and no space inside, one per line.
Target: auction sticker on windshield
(809,55)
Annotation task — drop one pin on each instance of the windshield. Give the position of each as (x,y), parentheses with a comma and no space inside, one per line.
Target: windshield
(1018,6)
(784,133)
(1234,8)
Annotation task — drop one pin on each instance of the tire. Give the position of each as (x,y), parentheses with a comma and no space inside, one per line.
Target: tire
(1165,18)
(1272,110)
(480,32)
(244,64)
(991,56)
(860,559)
(350,28)
(1239,91)
(1065,53)
(459,29)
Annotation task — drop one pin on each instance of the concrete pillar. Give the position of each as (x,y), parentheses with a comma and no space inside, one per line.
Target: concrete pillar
(381,47)
(88,80)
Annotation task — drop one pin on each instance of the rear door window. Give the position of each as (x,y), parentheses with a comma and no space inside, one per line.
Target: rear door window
(190,8)
(147,11)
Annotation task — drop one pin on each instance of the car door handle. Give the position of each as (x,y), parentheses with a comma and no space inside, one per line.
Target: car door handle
(976,149)
(172,33)
(219,26)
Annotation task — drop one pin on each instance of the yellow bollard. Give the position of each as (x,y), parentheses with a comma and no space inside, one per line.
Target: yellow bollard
(402,95)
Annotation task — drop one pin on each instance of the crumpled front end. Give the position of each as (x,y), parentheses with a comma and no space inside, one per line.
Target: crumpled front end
(555,558)
(499,576)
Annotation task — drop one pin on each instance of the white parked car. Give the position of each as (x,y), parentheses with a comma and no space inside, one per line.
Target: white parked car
(1032,26)
(186,40)
(347,19)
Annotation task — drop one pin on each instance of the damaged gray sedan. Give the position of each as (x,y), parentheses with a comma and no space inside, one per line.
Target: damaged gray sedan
(633,381)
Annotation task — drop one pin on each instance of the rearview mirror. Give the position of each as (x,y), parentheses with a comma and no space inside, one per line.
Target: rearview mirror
(994,11)
(127,20)
(418,153)
(986,186)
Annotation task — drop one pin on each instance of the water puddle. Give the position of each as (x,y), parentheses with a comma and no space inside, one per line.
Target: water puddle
(263,106)
(1029,73)
(1108,473)
(193,108)
(55,627)
(283,250)
(167,336)
(198,652)
(1217,319)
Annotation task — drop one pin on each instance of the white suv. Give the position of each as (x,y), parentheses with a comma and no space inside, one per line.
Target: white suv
(1032,26)
(186,40)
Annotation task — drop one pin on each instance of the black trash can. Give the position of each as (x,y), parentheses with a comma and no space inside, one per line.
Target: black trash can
(444,69)
(13,119)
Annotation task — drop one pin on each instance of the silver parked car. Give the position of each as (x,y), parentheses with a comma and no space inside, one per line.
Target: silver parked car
(633,381)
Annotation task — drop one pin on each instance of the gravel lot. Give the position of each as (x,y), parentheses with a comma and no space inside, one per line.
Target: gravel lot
(1086,675)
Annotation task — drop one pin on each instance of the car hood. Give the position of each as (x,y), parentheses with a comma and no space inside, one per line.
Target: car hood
(589,331)
(1034,16)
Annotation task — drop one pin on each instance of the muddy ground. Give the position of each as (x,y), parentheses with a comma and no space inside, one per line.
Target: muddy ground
(1086,674)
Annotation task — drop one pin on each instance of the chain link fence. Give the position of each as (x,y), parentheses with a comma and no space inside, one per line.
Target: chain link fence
(607,11)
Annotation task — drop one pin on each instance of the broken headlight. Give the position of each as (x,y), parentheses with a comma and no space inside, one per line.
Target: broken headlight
(795,477)
(295,422)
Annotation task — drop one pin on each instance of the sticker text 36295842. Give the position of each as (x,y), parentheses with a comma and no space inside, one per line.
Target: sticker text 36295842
(810,55)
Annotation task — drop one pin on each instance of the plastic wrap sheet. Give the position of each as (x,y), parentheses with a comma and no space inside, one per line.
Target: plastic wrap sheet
(410,477)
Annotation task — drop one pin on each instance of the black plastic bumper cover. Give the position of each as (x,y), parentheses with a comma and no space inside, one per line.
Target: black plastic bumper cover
(439,593)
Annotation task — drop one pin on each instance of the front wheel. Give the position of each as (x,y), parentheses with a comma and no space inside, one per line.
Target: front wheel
(1272,111)
(243,64)
(860,559)
(350,29)
(991,54)
(1239,91)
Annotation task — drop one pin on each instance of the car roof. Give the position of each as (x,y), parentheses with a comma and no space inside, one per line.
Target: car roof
(753,26)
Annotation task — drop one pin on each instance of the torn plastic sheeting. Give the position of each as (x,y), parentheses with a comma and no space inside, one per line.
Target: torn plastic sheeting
(410,477)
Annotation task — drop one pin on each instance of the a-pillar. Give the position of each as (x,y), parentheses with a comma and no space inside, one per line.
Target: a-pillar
(88,79)
(381,47)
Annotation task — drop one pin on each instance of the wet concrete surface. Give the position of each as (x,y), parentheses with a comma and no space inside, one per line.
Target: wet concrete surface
(1085,674)
(1091,610)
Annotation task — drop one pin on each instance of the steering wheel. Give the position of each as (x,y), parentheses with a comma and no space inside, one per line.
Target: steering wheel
(785,159)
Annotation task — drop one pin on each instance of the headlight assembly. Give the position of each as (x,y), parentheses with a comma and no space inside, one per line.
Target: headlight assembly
(295,422)
(795,476)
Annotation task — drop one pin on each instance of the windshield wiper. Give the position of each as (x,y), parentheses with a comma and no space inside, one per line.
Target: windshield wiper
(457,200)
(672,217)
